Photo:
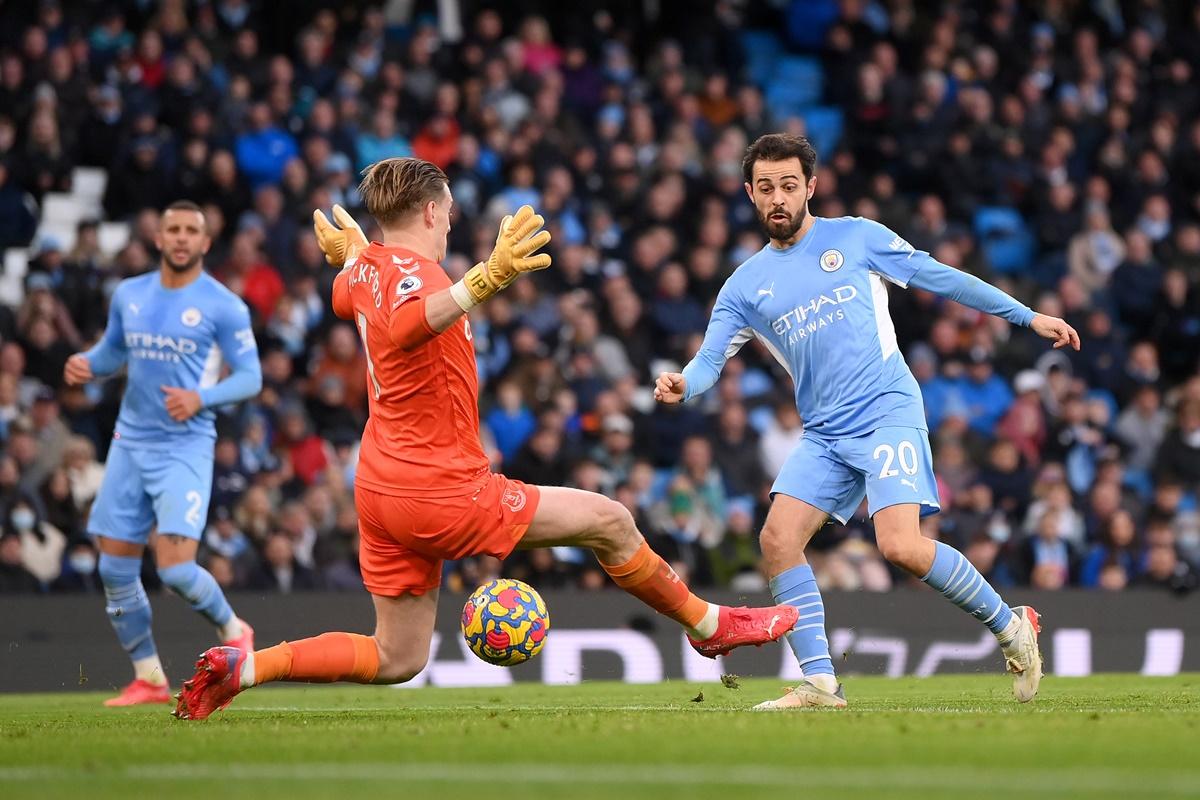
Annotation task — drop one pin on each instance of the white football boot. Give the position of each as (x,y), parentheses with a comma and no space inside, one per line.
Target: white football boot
(807,695)
(1022,656)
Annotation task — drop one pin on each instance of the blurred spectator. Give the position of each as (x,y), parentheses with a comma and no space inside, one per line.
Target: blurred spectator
(1046,560)
(14,577)
(1020,144)
(280,571)
(41,544)
(511,422)
(1179,457)
(1117,546)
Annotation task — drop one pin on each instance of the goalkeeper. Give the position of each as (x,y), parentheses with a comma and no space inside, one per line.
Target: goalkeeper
(423,487)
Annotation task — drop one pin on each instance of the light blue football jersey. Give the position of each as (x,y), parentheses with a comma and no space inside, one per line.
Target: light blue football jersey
(821,308)
(176,337)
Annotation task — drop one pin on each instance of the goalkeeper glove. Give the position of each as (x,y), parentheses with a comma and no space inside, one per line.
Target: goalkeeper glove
(520,236)
(338,245)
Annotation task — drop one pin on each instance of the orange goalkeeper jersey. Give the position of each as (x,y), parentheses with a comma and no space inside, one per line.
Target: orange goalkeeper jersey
(422,436)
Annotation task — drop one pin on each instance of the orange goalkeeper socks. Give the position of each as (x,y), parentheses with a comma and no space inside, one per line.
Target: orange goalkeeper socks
(650,579)
(327,658)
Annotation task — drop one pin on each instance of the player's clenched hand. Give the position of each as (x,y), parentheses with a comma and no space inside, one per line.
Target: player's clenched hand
(78,370)
(1054,328)
(520,237)
(182,404)
(670,387)
(338,245)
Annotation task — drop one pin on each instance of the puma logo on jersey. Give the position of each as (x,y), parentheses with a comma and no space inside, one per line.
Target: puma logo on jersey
(908,483)
(135,308)
(769,291)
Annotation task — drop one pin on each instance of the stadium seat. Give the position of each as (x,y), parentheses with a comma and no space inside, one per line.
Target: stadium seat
(795,84)
(1005,238)
(12,290)
(823,125)
(762,50)
(62,232)
(88,184)
(113,236)
(16,262)
(60,209)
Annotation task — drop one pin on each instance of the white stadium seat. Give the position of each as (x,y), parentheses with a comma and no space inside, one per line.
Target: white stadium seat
(64,233)
(16,262)
(88,184)
(113,236)
(61,209)
(12,290)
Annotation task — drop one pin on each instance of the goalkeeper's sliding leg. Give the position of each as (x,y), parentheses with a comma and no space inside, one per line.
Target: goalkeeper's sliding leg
(403,579)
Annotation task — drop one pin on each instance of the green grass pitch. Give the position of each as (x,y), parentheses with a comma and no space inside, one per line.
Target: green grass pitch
(964,737)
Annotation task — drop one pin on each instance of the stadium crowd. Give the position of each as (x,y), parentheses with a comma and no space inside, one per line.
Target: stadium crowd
(1053,148)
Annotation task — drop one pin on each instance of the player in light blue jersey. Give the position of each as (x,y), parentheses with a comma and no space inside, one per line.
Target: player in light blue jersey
(174,329)
(816,297)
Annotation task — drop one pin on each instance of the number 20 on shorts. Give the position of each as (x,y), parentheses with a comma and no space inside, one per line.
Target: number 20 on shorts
(905,453)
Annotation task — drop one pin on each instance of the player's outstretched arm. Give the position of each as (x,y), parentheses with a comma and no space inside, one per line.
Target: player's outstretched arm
(726,333)
(415,321)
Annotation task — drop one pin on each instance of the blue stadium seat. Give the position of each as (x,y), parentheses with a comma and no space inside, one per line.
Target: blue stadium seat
(762,50)
(795,83)
(1006,240)
(823,126)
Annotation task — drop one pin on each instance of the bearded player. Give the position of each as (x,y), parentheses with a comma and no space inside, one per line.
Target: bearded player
(815,297)
(172,328)
(423,487)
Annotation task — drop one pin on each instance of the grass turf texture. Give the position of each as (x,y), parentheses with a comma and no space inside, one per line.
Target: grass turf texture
(1104,736)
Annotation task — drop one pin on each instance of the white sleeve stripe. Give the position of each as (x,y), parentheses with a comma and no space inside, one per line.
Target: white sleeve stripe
(775,351)
(890,279)
(735,344)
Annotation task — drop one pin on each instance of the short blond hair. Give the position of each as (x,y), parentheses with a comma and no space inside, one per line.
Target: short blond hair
(395,187)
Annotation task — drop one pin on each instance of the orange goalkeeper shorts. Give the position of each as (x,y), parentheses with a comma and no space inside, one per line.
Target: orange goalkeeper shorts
(403,540)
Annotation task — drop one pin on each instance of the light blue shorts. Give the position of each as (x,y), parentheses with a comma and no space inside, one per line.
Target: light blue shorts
(889,466)
(144,486)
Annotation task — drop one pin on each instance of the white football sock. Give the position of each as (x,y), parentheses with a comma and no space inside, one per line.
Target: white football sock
(1009,634)
(230,630)
(825,682)
(150,670)
(707,625)
(246,679)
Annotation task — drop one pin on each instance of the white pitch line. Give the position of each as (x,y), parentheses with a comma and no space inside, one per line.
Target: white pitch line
(1075,780)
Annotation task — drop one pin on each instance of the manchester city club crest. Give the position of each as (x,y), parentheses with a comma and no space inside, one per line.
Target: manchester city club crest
(832,260)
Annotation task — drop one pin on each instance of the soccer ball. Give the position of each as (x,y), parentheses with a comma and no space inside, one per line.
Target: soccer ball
(505,622)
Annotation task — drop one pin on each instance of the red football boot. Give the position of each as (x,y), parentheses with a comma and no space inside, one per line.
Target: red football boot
(741,626)
(140,692)
(216,682)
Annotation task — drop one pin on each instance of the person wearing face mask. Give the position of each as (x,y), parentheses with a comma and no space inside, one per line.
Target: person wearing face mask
(79,570)
(42,544)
